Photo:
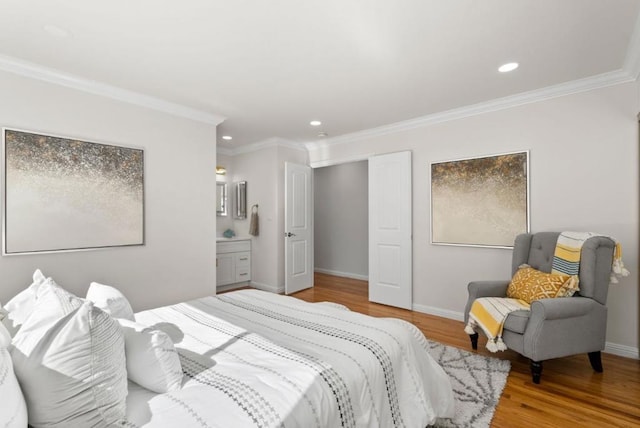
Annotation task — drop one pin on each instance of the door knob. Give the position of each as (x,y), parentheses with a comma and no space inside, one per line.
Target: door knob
(289,234)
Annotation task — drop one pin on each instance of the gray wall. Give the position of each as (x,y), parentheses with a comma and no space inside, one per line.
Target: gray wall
(263,170)
(587,141)
(341,219)
(178,260)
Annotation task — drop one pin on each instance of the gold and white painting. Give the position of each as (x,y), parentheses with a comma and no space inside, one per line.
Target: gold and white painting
(63,194)
(482,201)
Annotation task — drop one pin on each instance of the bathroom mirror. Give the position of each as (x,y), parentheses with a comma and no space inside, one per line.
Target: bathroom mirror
(221,198)
(241,200)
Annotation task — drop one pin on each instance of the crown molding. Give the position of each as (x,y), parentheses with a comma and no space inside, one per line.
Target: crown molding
(50,75)
(264,144)
(339,161)
(568,88)
(630,72)
(224,151)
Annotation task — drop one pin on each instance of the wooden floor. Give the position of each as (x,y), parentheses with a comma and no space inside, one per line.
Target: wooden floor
(570,394)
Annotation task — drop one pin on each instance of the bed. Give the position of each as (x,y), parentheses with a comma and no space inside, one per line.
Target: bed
(242,359)
(256,359)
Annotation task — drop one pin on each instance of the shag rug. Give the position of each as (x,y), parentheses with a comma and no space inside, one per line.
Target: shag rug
(477,383)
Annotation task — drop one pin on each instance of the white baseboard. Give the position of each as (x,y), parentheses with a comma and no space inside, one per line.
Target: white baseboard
(343,274)
(230,287)
(444,313)
(621,350)
(610,348)
(267,287)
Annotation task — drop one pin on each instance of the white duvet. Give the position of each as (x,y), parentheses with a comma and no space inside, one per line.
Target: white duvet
(256,359)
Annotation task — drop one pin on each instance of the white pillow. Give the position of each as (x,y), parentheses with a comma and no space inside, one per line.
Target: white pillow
(52,303)
(20,307)
(152,360)
(69,359)
(13,411)
(5,337)
(110,300)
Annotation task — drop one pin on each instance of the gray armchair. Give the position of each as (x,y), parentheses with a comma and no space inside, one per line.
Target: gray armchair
(560,327)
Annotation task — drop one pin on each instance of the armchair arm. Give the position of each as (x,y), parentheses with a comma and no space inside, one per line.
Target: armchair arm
(567,307)
(487,289)
(484,289)
(564,326)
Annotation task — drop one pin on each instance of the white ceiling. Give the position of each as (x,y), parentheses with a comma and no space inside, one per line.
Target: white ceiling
(270,67)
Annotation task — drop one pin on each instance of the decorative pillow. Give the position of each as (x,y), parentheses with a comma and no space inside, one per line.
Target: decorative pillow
(529,284)
(20,307)
(569,288)
(152,360)
(110,300)
(69,359)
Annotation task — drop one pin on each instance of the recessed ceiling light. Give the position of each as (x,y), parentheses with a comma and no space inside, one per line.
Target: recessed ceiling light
(227,137)
(315,123)
(323,134)
(510,66)
(56,31)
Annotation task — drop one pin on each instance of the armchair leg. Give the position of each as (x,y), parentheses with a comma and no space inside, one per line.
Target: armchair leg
(474,341)
(596,361)
(536,371)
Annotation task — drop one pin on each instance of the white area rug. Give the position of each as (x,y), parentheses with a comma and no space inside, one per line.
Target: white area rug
(477,383)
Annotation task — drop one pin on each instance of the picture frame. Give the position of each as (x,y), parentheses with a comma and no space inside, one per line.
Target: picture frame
(67,194)
(480,201)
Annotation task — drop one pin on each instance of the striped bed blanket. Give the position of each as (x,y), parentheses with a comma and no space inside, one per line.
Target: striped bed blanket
(257,359)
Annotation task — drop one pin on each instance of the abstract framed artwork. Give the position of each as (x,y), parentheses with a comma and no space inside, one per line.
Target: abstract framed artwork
(64,194)
(481,201)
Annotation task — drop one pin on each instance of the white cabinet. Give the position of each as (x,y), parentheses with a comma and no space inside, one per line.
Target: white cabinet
(233,262)
(225,272)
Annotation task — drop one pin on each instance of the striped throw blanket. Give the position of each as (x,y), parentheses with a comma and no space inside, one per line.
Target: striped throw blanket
(489,314)
(566,259)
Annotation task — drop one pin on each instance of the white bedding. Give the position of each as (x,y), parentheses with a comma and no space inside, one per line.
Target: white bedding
(256,359)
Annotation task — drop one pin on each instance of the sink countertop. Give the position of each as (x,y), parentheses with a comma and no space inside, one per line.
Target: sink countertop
(235,238)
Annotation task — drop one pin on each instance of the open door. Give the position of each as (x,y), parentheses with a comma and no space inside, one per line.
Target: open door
(298,227)
(390,252)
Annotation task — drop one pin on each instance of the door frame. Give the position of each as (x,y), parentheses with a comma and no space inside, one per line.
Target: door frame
(367,157)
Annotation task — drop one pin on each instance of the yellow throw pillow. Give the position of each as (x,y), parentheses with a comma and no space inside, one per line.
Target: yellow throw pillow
(529,284)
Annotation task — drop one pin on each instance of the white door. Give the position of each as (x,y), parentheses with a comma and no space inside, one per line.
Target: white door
(298,227)
(390,253)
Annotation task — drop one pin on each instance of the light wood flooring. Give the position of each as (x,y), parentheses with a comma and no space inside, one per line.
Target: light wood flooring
(570,394)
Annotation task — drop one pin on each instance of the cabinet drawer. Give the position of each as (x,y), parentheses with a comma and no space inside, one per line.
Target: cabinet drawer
(243,259)
(243,274)
(233,246)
